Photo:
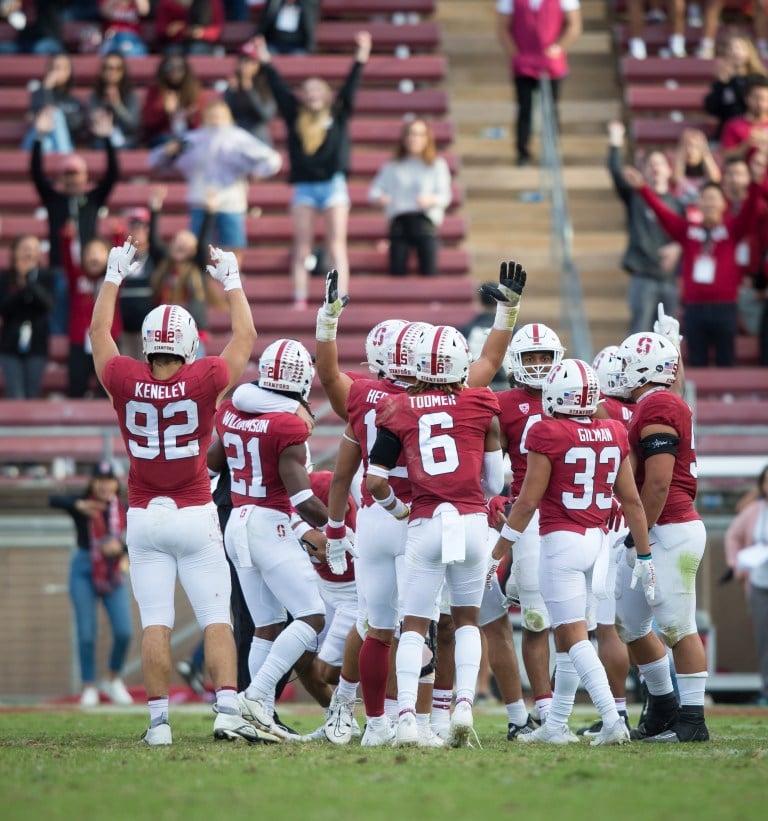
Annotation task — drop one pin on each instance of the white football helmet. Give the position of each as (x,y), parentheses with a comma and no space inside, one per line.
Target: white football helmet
(647,357)
(571,388)
(377,344)
(170,329)
(442,356)
(285,365)
(607,366)
(401,353)
(532,338)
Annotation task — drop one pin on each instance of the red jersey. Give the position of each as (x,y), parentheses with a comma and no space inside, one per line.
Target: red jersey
(618,410)
(166,426)
(321,486)
(443,438)
(253,443)
(585,458)
(364,396)
(738,130)
(662,407)
(520,409)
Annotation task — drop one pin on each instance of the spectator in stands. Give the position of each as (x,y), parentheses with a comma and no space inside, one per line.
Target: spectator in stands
(26,300)
(121,27)
(636,20)
(709,273)
(178,269)
(318,146)
(173,104)
(743,136)
(189,26)
(694,165)
(712,11)
(750,527)
(71,200)
(54,97)
(248,95)
(85,275)
(37,25)
(651,257)
(219,157)
(97,573)
(81,10)
(113,93)
(727,97)
(289,26)
(414,189)
(536,36)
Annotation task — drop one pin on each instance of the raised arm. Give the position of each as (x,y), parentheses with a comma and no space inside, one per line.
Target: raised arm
(335,383)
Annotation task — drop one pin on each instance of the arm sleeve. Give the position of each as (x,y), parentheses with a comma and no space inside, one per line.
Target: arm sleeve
(250,398)
(386,449)
(44,188)
(345,99)
(284,99)
(107,182)
(622,187)
(492,476)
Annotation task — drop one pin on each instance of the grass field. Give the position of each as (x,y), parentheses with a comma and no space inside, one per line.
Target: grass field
(75,764)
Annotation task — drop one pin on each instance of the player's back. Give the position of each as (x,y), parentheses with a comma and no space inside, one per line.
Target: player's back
(520,410)
(364,396)
(443,438)
(166,426)
(585,457)
(253,444)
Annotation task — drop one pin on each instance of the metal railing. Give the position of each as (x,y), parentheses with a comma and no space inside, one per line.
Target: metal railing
(573,316)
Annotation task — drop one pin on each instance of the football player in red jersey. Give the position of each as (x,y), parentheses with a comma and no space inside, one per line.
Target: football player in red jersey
(165,408)
(575,465)
(449,435)
(266,455)
(662,442)
(534,349)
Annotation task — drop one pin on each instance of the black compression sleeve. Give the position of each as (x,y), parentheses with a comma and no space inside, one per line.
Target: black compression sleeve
(659,443)
(386,449)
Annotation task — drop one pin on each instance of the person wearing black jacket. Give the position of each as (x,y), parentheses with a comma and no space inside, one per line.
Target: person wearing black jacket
(26,300)
(289,26)
(318,147)
(651,257)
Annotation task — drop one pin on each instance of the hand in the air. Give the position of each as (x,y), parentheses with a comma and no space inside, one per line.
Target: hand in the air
(224,268)
(512,278)
(121,264)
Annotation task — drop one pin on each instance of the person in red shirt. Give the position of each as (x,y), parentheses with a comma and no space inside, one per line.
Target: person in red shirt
(174,102)
(744,136)
(449,435)
(661,440)
(165,408)
(710,275)
(189,26)
(576,463)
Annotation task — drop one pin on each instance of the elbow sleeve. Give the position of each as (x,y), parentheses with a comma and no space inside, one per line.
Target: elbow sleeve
(492,477)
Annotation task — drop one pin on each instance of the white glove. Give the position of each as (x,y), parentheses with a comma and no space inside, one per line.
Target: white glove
(336,549)
(645,572)
(329,312)
(493,566)
(120,263)
(668,327)
(224,268)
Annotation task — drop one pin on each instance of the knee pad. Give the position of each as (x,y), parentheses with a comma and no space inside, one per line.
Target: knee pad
(535,620)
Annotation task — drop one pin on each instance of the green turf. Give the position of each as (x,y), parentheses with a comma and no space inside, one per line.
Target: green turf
(72,765)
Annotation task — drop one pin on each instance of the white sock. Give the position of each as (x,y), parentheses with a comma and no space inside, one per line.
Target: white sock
(390,708)
(441,706)
(287,648)
(158,711)
(621,705)
(226,700)
(257,655)
(656,676)
(566,684)
(544,705)
(422,719)
(692,687)
(467,658)
(517,713)
(677,42)
(347,690)
(408,666)
(593,675)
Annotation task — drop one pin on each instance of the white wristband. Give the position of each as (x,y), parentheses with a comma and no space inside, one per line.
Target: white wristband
(301,496)
(400,510)
(301,528)
(506,316)
(385,503)
(510,534)
(326,327)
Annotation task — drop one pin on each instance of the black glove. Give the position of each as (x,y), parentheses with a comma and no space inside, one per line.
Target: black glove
(512,278)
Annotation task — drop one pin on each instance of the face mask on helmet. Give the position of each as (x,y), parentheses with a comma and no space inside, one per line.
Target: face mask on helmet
(647,358)
(607,366)
(286,366)
(170,329)
(442,356)
(401,353)
(377,344)
(571,388)
(534,338)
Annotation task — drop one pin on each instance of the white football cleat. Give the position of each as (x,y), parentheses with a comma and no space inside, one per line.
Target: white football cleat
(550,734)
(617,734)
(116,691)
(379,732)
(230,727)
(340,719)
(407,731)
(429,738)
(157,736)
(254,711)
(462,724)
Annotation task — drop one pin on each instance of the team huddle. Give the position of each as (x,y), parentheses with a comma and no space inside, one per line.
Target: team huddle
(380,577)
